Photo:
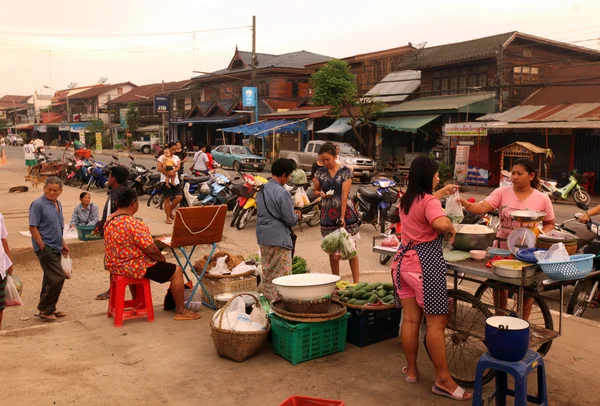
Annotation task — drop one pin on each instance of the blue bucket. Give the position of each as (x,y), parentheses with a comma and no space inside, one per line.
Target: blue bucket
(507,338)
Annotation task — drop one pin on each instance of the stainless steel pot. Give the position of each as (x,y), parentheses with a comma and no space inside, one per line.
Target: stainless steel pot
(513,273)
(468,242)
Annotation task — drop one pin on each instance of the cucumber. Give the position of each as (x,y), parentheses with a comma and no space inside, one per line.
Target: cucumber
(373,299)
(359,303)
(388,286)
(359,294)
(382,293)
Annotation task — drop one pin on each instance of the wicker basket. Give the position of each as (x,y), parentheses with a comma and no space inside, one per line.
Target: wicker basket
(231,284)
(237,345)
(571,246)
(316,306)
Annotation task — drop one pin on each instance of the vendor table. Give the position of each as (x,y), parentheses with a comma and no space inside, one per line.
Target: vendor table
(195,226)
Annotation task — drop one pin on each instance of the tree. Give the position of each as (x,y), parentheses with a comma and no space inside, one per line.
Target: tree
(99,126)
(132,118)
(334,85)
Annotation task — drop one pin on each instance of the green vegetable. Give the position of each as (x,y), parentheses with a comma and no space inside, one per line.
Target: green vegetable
(299,265)
(379,287)
(343,299)
(360,303)
(388,286)
(370,287)
(387,299)
(359,294)
(360,285)
(382,293)
(373,299)
(351,301)
(367,295)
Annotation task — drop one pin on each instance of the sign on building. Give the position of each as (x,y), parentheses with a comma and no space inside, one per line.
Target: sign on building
(249,96)
(466,130)
(98,143)
(461,164)
(161,104)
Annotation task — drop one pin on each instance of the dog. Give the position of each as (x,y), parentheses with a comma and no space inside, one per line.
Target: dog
(36,180)
(18,189)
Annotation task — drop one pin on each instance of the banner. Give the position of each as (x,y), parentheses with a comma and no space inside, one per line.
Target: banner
(249,97)
(461,164)
(98,143)
(161,104)
(478,176)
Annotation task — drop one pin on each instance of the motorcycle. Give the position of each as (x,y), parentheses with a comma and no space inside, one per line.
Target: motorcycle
(580,195)
(249,208)
(373,206)
(98,175)
(142,180)
(218,190)
(311,213)
(243,193)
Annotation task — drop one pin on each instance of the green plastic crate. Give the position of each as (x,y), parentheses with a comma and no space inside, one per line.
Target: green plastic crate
(84,233)
(298,342)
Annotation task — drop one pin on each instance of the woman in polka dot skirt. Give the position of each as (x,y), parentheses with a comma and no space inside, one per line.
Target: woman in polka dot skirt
(419,274)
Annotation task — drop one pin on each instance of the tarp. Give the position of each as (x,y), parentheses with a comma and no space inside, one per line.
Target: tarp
(264,128)
(406,123)
(340,126)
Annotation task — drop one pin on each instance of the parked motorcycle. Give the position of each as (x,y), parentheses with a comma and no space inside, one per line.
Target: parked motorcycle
(580,195)
(249,208)
(98,175)
(311,213)
(218,190)
(243,192)
(373,206)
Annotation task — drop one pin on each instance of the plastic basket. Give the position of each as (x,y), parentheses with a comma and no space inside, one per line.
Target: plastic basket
(306,401)
(367,327)
(578,267)
(298,342)
(84,233)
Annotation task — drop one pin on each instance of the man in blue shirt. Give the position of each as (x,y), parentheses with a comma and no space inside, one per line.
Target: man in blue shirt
(46,223)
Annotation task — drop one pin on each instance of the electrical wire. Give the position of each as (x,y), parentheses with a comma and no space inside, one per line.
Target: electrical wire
(83,35)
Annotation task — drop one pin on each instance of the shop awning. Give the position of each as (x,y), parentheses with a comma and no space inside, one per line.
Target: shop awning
(408,124)
(154,128)
(264,128)
(211,120)
(477,103)
(340,126)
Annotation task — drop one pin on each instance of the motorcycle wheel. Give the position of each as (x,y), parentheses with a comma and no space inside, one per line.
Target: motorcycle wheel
(578,300)
(315,221)
(236,213)
(582,196)
(154,201)
(244,218)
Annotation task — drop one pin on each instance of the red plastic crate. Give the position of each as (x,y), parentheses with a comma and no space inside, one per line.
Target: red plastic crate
(306,401)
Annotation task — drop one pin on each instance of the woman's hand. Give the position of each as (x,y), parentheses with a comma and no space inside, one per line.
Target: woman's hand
(320,193)
(298,214)
(342,223)
(583,218)
(10,270)
(449,189)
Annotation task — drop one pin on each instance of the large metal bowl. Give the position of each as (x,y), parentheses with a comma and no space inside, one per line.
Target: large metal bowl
(468,242)
(528,216)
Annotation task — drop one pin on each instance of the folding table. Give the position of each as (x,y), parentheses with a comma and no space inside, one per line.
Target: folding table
(195,226)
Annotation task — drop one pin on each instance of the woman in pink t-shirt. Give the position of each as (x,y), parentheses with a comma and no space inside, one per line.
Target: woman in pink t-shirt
(419,275)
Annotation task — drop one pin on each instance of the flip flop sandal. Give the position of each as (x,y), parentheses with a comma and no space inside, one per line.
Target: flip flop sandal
(187,316)
(594,304)
(458,393)
(47,317)
(408,379)
(103,296)
(60,314)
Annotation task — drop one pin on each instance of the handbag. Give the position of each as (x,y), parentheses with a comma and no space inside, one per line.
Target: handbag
(292,234)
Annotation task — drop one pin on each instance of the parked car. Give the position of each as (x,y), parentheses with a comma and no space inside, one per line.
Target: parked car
(145,146)
(238,158)
(14,140)
(359,164)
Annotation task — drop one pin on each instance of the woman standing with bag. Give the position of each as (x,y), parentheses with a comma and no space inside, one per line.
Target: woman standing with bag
(332,182)
(419,276)
(6,266)
(275,219)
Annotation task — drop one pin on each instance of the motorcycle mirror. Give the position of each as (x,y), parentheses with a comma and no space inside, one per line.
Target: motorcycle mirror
(583,206)
(236,178)
(132,158)
(154,167)
(116,158)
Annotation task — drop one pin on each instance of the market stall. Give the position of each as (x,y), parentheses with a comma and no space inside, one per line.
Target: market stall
(521,149)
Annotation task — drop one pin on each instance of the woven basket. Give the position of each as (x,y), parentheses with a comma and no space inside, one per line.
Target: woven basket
(316,306)
(214,286)
(237,345)
(571,246)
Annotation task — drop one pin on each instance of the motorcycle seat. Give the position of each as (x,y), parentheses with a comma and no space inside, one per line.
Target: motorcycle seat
(200,179)
(367,193)
(154,177)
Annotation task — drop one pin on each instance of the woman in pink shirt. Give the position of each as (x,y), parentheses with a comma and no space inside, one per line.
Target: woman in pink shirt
(419,275)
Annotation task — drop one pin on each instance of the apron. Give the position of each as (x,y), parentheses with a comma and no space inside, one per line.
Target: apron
(435,290)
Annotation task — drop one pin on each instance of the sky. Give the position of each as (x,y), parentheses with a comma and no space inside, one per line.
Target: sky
(45,43)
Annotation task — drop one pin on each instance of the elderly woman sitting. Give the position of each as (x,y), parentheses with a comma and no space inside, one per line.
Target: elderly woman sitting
(130,251)
(86,214)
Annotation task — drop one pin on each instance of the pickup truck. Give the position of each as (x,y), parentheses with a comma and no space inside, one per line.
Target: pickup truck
(144,146)
(349,157)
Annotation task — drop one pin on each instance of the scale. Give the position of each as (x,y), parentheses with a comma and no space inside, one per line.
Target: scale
(526,235)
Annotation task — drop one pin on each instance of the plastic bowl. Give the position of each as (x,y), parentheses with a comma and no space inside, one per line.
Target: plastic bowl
(478,255)
(307,286)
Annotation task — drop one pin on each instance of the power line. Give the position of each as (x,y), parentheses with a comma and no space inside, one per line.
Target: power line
(154,34)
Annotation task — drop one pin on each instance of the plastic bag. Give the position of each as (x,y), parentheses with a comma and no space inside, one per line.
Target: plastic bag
(339,242)
(348,248)
(259,316)
(236,319)
(11,294)
(220,267)
(243,267)
(556,253)
(391,241)
(18,284)
(300,198)
(299,177)
(454,209)
(67,266)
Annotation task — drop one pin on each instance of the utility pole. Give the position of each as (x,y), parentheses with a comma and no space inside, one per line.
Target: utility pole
(162,141)
(254,63)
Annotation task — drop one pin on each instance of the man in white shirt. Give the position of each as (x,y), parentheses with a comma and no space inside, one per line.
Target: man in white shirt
(30,160)
(200,161)
(6,267)
(172,191)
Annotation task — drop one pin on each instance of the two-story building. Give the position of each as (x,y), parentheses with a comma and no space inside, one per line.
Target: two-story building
(213,100)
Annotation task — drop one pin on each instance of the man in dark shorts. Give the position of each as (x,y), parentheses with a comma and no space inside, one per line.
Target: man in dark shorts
(174,190)
(131,251)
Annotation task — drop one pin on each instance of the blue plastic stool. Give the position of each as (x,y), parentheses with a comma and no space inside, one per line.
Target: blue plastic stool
(520,370)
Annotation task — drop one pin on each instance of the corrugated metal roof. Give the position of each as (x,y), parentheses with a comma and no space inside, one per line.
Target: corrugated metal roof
(553,113)
(148,91)
(562,124)
(313,112)
(510,115)
(527,145)
(405,123)
(440,103)
(396,83)
(98,90)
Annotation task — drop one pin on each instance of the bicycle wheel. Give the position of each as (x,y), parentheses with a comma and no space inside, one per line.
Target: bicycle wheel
(579,298)
(465,333)
(539,313)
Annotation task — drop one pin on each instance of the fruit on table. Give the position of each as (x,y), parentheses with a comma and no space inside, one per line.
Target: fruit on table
(370,293)
(360,303)
(382,293)
(359,294)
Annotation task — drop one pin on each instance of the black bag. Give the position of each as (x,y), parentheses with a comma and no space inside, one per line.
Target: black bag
(293,235)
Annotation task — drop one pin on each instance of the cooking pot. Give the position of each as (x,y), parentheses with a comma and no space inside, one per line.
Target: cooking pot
(468,242)
(507,338)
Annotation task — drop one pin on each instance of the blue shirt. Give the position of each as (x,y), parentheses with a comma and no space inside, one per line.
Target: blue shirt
(49,222)
(85,217)
(274,228)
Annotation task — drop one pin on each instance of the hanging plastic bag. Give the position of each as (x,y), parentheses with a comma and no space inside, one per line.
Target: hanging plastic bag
(299,177)
(12,297)
(556,253)
(391,241)
(454,209)
(18,284)
(331,242)
(220,267)
(338,243)
(67,266)
(347,247)
(300,198)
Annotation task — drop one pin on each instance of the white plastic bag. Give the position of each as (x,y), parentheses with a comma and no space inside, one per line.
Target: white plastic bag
(220,267)
(67,266)
(556,253)
(242,268)
(12,297)
(236,319)
(299,177)
(259,316)
(300,198)
(339,244)
(454,209)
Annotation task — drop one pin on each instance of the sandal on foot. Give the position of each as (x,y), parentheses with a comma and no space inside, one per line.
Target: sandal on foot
(60,314)
(594,304)
(169,221)
(47,317)
(409,379)
(187,315)
(458,394)
(103,296)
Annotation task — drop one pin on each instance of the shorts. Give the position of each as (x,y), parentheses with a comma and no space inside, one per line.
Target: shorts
(2,296)
(411,285)
(172,190)
(161,272)
(30,162)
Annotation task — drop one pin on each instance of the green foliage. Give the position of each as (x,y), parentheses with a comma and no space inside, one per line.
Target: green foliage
(334,85)
(445,171)
(132,117)
(96,126)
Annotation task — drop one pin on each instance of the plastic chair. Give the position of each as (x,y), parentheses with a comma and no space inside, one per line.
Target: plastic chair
(589,179)
(121,309)
(520,371)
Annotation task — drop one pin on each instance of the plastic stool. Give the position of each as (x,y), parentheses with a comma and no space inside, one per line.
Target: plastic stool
(121,309)
(520,370)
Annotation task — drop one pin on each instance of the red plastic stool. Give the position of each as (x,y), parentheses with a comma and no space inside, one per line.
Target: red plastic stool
(589,181)
(122,309)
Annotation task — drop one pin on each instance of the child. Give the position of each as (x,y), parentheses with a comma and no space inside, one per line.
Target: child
(169,166)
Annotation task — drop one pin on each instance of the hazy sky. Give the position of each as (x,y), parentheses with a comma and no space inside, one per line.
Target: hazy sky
(78,33)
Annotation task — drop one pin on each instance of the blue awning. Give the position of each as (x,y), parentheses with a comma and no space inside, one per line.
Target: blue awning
(210,120)
(264,128)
